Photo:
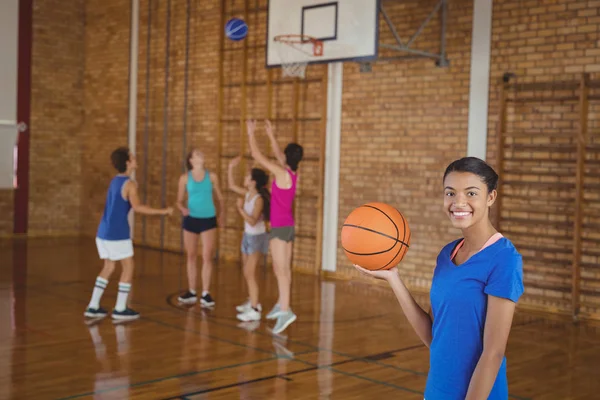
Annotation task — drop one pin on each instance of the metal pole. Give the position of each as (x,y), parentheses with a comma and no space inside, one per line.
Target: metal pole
(166,124)
(147,116)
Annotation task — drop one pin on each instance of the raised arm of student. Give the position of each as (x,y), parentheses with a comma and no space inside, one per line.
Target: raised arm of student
(282,177)
(420,320)
(231,181)
(274,145)
(131,193)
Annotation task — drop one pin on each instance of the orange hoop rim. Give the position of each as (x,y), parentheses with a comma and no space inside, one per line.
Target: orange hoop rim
(296,38)
(291,39)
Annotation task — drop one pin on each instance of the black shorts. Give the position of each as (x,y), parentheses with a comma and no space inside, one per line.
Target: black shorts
(199,225)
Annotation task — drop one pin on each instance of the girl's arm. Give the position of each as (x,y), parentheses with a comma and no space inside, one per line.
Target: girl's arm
(231,181)
(217,189)
(281,175)
(495,336)
(181,195)
(419,319)
(255,217)
(274,145)
(138,207)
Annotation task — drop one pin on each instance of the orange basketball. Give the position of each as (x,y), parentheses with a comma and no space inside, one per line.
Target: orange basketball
(375,236)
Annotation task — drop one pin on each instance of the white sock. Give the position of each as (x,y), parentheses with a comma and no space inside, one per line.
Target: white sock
(124,289)
(204,293)
(193,292)
(101,284)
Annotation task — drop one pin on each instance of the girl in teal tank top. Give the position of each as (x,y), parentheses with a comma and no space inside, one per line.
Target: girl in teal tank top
(200,196)
(200,219)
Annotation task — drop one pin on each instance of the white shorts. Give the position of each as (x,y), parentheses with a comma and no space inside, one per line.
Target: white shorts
(114,250)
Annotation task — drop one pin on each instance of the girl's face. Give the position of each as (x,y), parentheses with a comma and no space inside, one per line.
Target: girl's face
(466,199)
(249,183)
(197,159)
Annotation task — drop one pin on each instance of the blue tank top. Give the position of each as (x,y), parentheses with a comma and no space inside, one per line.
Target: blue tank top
(200,197)
(114,224)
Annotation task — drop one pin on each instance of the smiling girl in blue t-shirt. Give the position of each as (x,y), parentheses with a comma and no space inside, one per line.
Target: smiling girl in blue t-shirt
(476,284)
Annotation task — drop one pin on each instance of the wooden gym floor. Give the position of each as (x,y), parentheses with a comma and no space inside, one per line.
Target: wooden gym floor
(350,340)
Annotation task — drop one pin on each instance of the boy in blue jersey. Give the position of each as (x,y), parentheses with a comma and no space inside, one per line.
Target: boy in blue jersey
(476,284)
(113,238)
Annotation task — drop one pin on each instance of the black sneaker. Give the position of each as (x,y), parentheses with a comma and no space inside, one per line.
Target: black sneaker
(95,312)
(188,298)
(207,300)
(125,315)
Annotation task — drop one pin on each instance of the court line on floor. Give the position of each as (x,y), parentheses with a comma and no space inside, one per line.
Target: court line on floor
(353,358)
(166,378)
(284,375)
(217,339)
(296,342)
(314,367)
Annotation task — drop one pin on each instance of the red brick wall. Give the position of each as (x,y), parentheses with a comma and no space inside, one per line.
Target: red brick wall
(56,121)
(402,123)
(105,102)
(545,42)
(56,117)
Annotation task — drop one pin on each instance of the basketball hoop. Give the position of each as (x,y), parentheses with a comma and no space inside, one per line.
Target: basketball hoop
(290,44)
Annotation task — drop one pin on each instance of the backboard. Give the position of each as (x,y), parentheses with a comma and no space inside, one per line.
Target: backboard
(347,30)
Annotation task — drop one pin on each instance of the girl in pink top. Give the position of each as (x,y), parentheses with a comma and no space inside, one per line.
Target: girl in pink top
(281,236)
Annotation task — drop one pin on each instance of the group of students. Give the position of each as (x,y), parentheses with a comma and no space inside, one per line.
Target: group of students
(257,206)
(477,281)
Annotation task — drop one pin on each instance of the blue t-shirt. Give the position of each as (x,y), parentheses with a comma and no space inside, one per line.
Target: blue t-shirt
(459,305)
(114,224)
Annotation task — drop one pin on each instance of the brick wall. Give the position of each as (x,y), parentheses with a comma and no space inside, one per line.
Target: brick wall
(56,117)
(402,123)
(56,121)
(105,102)
(545,42)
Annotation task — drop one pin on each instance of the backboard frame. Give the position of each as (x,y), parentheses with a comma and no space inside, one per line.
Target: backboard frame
(370,57)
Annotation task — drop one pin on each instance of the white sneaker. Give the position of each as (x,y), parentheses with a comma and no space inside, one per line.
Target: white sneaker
(247,306)
(284,319)
(274,313)
(243,307)
(249,315)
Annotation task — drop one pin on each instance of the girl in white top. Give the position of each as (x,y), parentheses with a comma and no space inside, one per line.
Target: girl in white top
(254,208)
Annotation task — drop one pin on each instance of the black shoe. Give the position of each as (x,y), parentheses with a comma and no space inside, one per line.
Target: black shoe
(95,312)
(188,298)
(207,300)
(125,315)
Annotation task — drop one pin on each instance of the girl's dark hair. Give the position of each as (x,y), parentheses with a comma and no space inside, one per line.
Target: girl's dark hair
(188,164)
(475,166)
(119,159)
(293,155)
(260,177)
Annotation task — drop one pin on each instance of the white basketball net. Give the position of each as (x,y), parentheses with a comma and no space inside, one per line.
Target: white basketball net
(289,51)
(295,69)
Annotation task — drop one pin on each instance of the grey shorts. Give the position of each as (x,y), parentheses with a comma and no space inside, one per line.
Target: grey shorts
(285,233)
(255,243)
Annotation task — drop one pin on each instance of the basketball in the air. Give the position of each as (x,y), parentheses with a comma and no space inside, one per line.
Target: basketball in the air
(236,29)
(375,236)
